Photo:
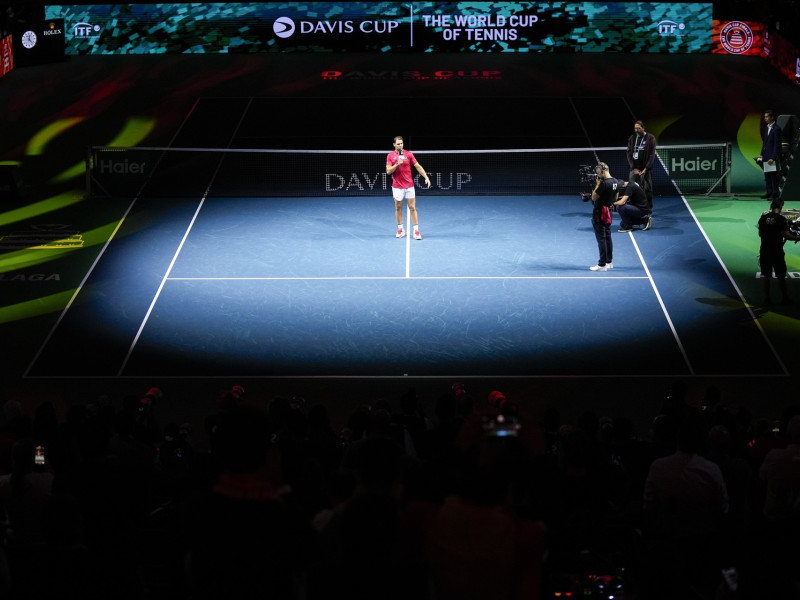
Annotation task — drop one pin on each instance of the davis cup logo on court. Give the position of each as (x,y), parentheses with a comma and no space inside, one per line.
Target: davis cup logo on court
(736,37)
(283,27)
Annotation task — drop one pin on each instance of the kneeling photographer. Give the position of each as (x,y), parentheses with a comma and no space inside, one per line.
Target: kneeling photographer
(633,207)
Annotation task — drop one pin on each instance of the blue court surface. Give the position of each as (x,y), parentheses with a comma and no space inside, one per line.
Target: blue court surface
(320,287)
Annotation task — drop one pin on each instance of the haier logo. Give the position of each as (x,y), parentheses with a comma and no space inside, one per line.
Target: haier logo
(124,167)
(85,30)
(695,165)
(284,27)
(667,27)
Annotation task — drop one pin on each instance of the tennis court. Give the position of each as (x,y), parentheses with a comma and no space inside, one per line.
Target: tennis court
(499,286)
(229,261)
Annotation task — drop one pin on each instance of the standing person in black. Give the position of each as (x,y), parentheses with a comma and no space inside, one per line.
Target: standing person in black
(641,156)
(603,196)
(633,207)
(770,155)
(773,228)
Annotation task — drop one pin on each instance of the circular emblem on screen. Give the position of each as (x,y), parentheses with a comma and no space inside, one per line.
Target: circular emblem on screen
(283,27)
(736,37)
(29,39)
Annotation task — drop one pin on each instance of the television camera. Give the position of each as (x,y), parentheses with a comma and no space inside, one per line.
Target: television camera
(588,174)
(793,217)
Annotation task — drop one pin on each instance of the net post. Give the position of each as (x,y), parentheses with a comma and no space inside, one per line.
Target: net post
(90,179)
(726,175)
(728,152)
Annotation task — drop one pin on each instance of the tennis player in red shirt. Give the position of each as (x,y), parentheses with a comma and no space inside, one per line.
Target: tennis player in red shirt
(398,165)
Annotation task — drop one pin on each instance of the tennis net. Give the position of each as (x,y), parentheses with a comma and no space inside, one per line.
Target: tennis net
(233,172)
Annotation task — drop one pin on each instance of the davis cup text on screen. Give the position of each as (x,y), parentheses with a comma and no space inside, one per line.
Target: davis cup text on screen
(336,182)
(285,27)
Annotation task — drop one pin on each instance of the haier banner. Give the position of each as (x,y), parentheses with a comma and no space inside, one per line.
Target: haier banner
(249,27)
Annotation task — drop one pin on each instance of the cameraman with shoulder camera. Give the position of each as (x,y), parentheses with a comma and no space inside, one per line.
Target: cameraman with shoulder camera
(633,207)
(604,196)
(774,230)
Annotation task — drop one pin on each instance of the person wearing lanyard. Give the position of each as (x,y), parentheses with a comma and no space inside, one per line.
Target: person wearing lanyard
(641,155)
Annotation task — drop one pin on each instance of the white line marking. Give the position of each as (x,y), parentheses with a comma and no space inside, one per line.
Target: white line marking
(663,306)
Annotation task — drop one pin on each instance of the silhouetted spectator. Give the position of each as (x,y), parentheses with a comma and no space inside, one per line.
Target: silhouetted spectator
(62,567)
(112,502)
(365,551)
(577,501)
(22,495)
(780,473)
(243,539)
(224,401)
(685,501)
(16,426)
(737,473)
(478,548)
(415,425)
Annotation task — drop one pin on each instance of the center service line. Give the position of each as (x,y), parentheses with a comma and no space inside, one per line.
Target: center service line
(409,233)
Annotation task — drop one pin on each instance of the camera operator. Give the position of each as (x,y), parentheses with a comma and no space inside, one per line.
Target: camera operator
(603,197)
(633,207)
(773,228)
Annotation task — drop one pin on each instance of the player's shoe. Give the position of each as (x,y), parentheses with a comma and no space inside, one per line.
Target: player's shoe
(417,234)
(400,232)
(625,229)
(649,224)
(609,266)
(598,268)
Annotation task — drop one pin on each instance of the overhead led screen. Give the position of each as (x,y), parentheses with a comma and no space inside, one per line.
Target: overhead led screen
(250,27)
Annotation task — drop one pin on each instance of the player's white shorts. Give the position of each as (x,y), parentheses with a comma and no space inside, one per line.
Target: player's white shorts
(401,194)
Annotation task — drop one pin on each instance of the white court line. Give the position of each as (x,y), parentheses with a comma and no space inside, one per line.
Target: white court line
(663,306)
(745,303)
(428,277)
(409,233)
(165,278)
(161,285)
(97,260)
(78,290)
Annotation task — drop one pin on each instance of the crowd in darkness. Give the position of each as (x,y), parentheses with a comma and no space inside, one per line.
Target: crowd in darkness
(476,500)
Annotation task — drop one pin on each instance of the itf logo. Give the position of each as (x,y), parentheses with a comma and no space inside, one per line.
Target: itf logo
(667,27)
(736,37)
(85,30)
(283,27)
